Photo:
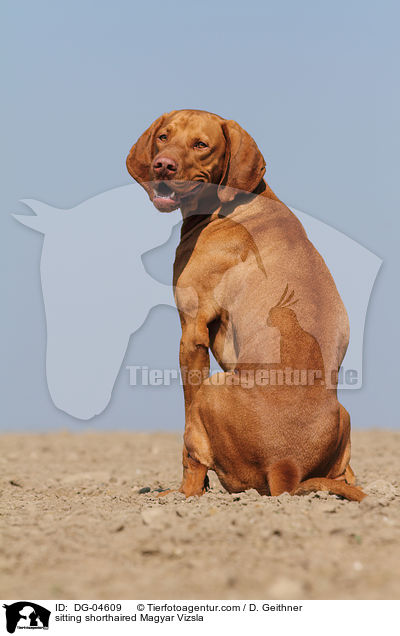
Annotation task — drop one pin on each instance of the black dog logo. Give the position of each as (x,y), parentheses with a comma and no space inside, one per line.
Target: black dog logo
(26,615)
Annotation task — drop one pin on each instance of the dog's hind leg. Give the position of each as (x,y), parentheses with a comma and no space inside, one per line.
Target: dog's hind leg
(283,476)
(341,470)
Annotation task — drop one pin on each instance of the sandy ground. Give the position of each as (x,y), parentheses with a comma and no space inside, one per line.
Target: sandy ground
(74,525)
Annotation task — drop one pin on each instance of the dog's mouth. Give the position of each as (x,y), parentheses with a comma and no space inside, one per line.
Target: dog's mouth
(168,196)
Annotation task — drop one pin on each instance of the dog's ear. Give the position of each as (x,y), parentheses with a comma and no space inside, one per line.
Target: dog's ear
(141,154)
(244,165)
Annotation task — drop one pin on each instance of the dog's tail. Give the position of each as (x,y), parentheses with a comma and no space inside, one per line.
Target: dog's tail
(332,486)
(284,476)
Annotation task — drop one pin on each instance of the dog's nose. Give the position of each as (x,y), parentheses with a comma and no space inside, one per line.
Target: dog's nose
(164,166)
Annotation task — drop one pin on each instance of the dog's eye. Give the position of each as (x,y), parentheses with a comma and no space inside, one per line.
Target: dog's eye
(162,137)
(200,144)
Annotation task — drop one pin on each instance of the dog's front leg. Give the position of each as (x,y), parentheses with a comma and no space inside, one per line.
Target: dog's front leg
(194,358)
(194,362)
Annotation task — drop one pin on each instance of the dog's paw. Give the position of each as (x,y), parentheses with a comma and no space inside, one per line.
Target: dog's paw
(167,491)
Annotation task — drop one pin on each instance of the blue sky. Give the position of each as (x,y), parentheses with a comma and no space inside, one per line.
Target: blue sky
(315,83)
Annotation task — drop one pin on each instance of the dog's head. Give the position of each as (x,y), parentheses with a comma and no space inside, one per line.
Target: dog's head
(185,150)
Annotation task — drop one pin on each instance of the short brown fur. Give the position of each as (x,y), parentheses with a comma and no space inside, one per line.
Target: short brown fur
(251,287)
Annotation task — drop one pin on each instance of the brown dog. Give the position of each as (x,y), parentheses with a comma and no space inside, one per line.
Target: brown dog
(250,286)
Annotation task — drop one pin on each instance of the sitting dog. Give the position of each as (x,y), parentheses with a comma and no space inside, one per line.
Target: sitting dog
(251,287)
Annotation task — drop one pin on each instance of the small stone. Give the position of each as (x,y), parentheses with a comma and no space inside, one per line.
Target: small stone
(155,517)
(150,551)
(284,588)
(143,490)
